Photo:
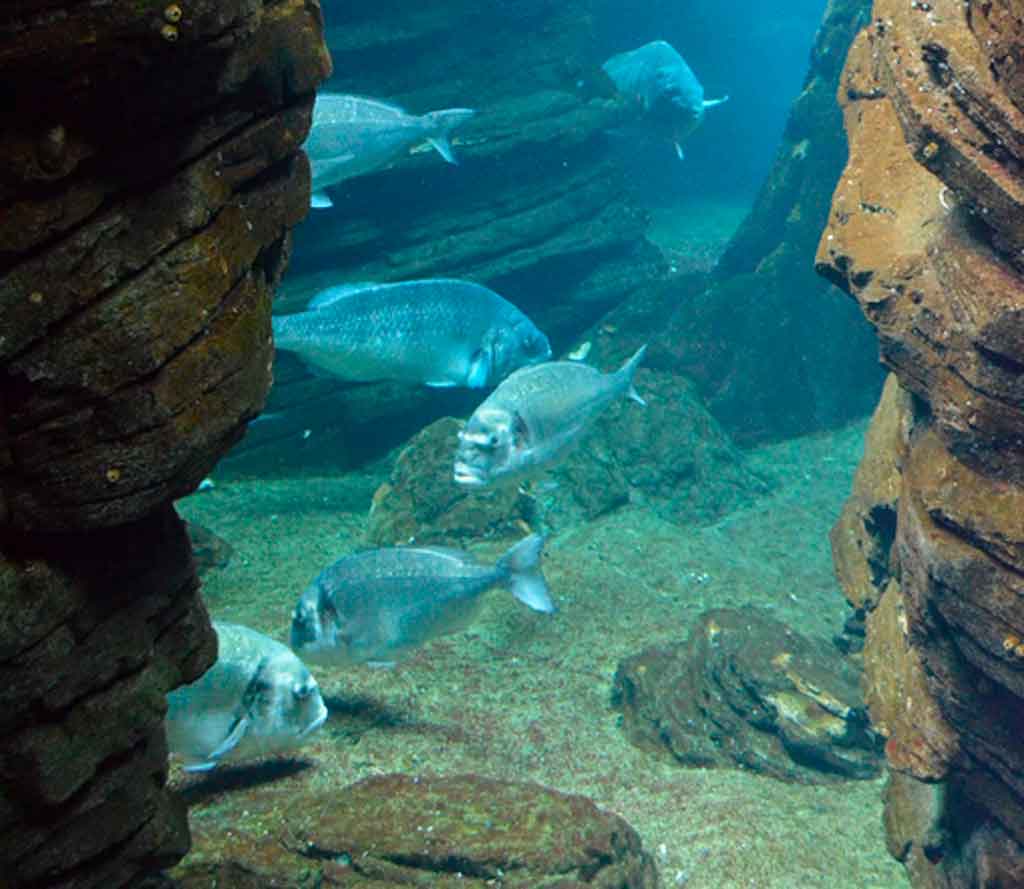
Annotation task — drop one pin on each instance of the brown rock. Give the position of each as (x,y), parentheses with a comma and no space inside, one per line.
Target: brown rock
(470,831)
(926,232)
(421,502)
(149,178)
(919,740)
(746,690)
(446,832)
(863,536)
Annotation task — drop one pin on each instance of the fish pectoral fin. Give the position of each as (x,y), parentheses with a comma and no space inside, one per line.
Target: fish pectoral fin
(679,151)
(201,766)
(440,384)
(444,148)
(479,369)
(236,734)
(319,200)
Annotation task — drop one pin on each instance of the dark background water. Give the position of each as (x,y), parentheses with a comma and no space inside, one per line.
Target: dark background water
(756,53)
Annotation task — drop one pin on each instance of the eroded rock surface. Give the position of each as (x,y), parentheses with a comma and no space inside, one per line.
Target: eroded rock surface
(149,177)
(746,690)
(445,832)
(926,233)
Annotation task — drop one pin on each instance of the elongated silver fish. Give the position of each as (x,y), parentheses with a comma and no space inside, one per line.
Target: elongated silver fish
(375,606)
(258,698)
(352,135)
(656,76)
(535,417)
(438,332)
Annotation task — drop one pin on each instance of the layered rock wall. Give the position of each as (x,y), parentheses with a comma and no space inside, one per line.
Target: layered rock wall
(926,233)
(149,177)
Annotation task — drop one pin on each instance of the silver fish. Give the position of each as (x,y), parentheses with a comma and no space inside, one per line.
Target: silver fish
(440,332)
(258,698)
(375,606)
(535,417)
(352,135)
(656,76)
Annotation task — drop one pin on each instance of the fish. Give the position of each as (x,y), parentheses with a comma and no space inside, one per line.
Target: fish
(437,332)
(536,417)
(658,78)
(353,135)
(257,698)
(376,606)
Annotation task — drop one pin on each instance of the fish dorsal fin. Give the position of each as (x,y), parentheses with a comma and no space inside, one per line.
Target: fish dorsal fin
(711,103)
(331,295)
(447,552)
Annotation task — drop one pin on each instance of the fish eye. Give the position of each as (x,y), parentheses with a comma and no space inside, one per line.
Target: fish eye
(492,440)
(302,690)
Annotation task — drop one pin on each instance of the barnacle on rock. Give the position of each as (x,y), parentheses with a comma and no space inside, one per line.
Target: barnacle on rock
(172,13)
(169,33)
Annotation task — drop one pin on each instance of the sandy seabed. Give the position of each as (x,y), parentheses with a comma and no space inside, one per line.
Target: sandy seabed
(526,696)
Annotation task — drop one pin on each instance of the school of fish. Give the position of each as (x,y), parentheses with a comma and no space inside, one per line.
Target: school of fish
(377,606)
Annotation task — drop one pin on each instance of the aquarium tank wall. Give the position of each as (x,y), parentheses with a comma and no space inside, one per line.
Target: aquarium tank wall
(511,444)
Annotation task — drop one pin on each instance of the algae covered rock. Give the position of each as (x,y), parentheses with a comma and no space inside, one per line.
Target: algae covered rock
(469,831)
(453,832)
(671,455)
(422,503)
(746,690)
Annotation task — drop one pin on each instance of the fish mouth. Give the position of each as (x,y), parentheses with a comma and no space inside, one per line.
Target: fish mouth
(468,477)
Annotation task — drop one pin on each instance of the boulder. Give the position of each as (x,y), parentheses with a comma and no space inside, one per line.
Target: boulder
(747,691)
(445,832)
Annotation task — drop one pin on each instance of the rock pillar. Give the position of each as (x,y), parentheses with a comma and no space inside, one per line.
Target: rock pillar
(927,233)
(150,173)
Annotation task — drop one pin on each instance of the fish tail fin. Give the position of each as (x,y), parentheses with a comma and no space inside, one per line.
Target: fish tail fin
(711,103)
(628,370)
(522,565)
(440,125)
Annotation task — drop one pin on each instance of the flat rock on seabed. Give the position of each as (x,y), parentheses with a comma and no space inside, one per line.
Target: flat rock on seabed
(457,831)
(746,690)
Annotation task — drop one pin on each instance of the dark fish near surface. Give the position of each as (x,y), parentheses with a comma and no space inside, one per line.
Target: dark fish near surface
(535,417)
(258,698)
(352,135)
(658,77)
(376,605)
(440,332)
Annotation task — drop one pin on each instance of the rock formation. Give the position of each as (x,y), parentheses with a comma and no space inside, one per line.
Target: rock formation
(457,830)
(745,690)
(149,177)
(927,233)
(774,351)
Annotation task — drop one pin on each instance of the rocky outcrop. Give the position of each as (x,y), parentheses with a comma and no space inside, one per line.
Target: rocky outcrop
(458,830)
(149,177)
(747,691)
(538,208)
(926,234)
(774,351)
